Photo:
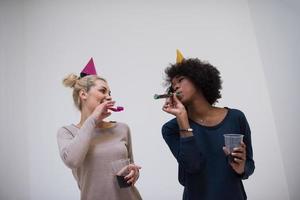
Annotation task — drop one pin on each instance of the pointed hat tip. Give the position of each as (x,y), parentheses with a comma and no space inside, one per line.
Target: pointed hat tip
(179,57)
(89,69)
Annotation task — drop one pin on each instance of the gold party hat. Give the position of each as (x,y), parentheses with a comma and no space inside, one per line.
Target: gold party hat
(179,57)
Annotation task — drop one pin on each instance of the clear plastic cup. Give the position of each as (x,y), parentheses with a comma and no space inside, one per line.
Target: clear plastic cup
(232,141)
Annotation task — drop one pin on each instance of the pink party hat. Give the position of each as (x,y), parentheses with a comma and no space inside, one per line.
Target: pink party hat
(89,69)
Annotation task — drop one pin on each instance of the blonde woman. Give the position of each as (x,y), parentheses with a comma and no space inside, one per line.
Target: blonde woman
(90,146)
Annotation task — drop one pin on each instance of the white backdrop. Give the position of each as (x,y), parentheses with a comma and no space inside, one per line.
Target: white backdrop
(131,43)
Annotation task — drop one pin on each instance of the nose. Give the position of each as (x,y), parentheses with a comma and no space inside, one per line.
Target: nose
(176,87)
(108,97)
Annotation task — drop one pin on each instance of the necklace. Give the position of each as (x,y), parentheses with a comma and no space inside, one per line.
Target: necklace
(202,121)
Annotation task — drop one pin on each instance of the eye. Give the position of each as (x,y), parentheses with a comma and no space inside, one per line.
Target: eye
(180,79)
(176,81)
(102,90)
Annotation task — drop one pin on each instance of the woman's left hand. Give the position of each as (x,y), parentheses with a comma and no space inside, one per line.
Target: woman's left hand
(239,158)
(133,175)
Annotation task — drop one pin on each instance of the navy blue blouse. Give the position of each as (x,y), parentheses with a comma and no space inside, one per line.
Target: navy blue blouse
(204,170)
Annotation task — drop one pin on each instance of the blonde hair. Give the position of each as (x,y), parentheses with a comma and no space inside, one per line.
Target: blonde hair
(78,84)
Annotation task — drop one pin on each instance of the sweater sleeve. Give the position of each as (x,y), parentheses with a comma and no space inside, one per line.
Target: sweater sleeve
(73,149)
(129,146)
(245,129)
(185,150)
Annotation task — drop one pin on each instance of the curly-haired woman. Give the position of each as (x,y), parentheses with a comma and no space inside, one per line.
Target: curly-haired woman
(195,135)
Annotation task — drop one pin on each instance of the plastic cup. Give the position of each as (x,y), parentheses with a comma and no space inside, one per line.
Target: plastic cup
(232,141)
(120,170)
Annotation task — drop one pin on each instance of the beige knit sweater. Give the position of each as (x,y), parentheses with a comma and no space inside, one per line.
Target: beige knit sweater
(89,151)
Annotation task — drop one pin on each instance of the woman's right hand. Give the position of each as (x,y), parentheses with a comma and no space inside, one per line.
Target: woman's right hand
(174,106)
(134,173)
(101,111)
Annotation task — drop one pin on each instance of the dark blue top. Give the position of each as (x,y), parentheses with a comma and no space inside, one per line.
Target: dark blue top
(204,170)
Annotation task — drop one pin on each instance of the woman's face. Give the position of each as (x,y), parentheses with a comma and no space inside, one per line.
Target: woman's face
(185,87)
(97,94)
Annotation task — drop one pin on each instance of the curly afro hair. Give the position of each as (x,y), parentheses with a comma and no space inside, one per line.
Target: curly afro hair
(203,75)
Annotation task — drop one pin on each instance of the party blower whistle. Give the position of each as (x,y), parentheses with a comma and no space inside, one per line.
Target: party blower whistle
(117,109)
(161,96)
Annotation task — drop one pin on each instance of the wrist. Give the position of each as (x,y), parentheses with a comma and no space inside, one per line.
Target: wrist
(183,120)
(240,171)
(186,130)
(181,114)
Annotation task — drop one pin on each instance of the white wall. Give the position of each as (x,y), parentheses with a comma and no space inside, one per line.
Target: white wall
(14,151)
(132,43)
(277,30)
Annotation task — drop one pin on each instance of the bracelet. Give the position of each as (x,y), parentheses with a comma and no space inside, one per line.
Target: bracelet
(187,130)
